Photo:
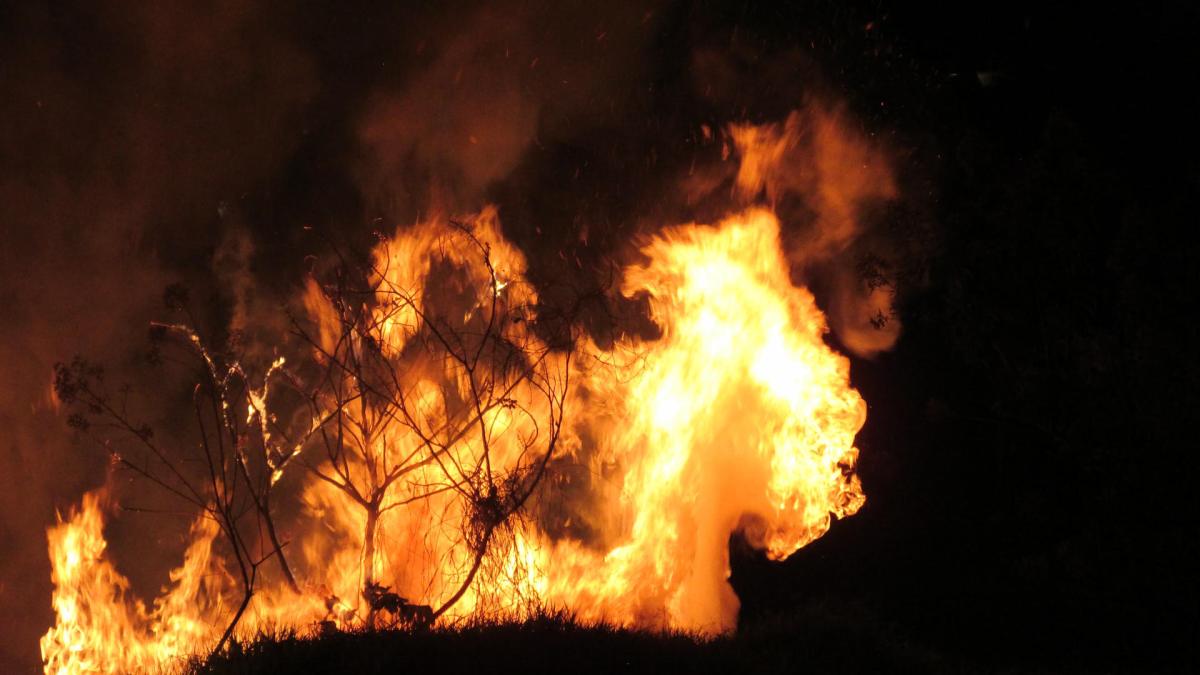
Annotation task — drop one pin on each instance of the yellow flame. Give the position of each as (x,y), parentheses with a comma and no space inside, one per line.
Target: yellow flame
(100,629)
(740,408)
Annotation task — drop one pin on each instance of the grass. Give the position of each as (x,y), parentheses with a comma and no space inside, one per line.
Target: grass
(813,639)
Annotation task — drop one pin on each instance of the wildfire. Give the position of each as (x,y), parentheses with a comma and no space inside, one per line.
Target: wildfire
(416,487)
(739,409)
(100,629)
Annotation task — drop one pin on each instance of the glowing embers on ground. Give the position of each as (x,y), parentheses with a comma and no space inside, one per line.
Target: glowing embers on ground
(737,416)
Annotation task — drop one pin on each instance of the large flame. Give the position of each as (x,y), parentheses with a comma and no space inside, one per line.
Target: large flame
(739,413)
(100,628)
(738,417)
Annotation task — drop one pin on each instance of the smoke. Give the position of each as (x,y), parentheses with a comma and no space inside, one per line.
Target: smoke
(505,77)
(832,177)
(124,128)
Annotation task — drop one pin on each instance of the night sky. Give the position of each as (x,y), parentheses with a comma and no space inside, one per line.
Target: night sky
(1028,454)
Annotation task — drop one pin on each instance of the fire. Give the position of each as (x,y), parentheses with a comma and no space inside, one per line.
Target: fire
(100,629)
(417,477)
(739,409)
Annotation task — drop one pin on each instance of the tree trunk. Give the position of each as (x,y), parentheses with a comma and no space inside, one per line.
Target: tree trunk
(368,561)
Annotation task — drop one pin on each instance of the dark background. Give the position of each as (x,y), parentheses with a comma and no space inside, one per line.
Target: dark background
(1028,450)
(1028,455)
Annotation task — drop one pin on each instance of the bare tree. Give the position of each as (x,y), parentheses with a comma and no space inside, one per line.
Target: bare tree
(233,484)
(412,382)
(400,403)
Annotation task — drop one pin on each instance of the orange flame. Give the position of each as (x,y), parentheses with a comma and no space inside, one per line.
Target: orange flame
(738,418)
(100,629)
(739,409)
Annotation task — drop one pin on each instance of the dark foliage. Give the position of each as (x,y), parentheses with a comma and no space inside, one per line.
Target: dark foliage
(818,639)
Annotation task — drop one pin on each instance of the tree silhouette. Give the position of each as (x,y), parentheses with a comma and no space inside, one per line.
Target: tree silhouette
(412,387)
(454,390)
